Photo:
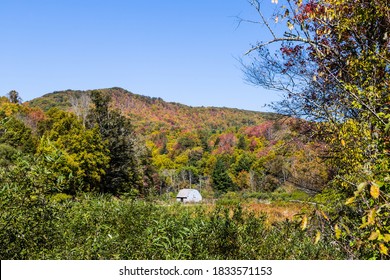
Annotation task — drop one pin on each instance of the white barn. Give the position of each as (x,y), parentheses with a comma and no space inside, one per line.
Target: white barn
(189,195)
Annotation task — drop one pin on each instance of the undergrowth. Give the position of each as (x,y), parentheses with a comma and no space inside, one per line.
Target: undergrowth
(104,227)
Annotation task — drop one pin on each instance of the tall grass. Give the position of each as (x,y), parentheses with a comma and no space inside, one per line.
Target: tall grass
(102,227)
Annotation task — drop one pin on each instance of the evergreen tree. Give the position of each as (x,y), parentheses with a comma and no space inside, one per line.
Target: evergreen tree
(14,97)
(122,174)
(220,177)
(242,143)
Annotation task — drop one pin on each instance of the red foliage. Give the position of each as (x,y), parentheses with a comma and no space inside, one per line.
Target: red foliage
(226,144)
(291,51)
(33,117)
(262,130)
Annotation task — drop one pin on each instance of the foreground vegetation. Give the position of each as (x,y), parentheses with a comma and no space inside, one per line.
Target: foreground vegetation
(104,227)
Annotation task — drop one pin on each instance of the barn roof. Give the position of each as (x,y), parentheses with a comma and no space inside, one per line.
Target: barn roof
(185,192)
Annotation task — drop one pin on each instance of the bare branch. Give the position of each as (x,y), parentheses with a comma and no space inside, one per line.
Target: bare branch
(256,5)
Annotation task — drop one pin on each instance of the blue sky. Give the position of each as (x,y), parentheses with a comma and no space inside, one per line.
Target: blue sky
(182,51)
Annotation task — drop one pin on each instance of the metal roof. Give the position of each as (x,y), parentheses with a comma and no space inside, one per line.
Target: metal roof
(185,192)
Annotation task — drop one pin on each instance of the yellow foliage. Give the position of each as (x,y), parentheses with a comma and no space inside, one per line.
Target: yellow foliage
(374,235)
(383,249)
(374,190)
(304,222)
(371,216)
(318,237)
(350,200)
(337,231)
(325,216)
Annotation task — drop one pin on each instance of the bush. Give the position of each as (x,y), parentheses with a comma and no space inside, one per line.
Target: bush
(103,227)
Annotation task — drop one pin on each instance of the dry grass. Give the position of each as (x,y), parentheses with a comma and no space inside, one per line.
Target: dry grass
(275,212)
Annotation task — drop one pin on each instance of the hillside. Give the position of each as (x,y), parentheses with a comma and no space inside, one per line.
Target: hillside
(222,148)
(149,113)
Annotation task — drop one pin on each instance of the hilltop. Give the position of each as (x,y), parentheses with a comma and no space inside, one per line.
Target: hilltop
(150,113)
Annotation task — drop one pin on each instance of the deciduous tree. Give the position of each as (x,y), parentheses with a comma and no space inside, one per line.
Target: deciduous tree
(332,64)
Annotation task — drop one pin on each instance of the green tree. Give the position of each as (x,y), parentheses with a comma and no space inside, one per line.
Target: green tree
(243,163)
(122,175)
(242,143)
(29,220)
(16,134)
(14,97)
(7,155)
(82,155)
(221,180)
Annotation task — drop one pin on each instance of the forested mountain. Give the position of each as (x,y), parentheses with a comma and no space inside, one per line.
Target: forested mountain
(150,113)
(220,149)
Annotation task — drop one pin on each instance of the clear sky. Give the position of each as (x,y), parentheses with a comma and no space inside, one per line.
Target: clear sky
(180,50)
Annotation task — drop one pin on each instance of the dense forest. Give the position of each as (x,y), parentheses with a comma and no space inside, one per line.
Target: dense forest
(219,149)
(94,174)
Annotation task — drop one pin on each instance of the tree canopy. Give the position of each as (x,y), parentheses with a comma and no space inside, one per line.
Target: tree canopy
(332,63)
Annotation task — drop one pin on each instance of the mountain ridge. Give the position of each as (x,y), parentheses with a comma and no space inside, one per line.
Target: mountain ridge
(153,113)
(32,101)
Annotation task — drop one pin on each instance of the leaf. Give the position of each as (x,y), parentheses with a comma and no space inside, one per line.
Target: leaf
(386,237)
(337,231)
(374,190)
(304,222)
(290,25)
(374,235)
(363,225)
(318,237)
(383,249)
(325,216)
(361,186)
(350,200)
(343,142)
(346,229)
(371,217)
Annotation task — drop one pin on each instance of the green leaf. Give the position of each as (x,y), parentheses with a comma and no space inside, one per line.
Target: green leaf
(361,186)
